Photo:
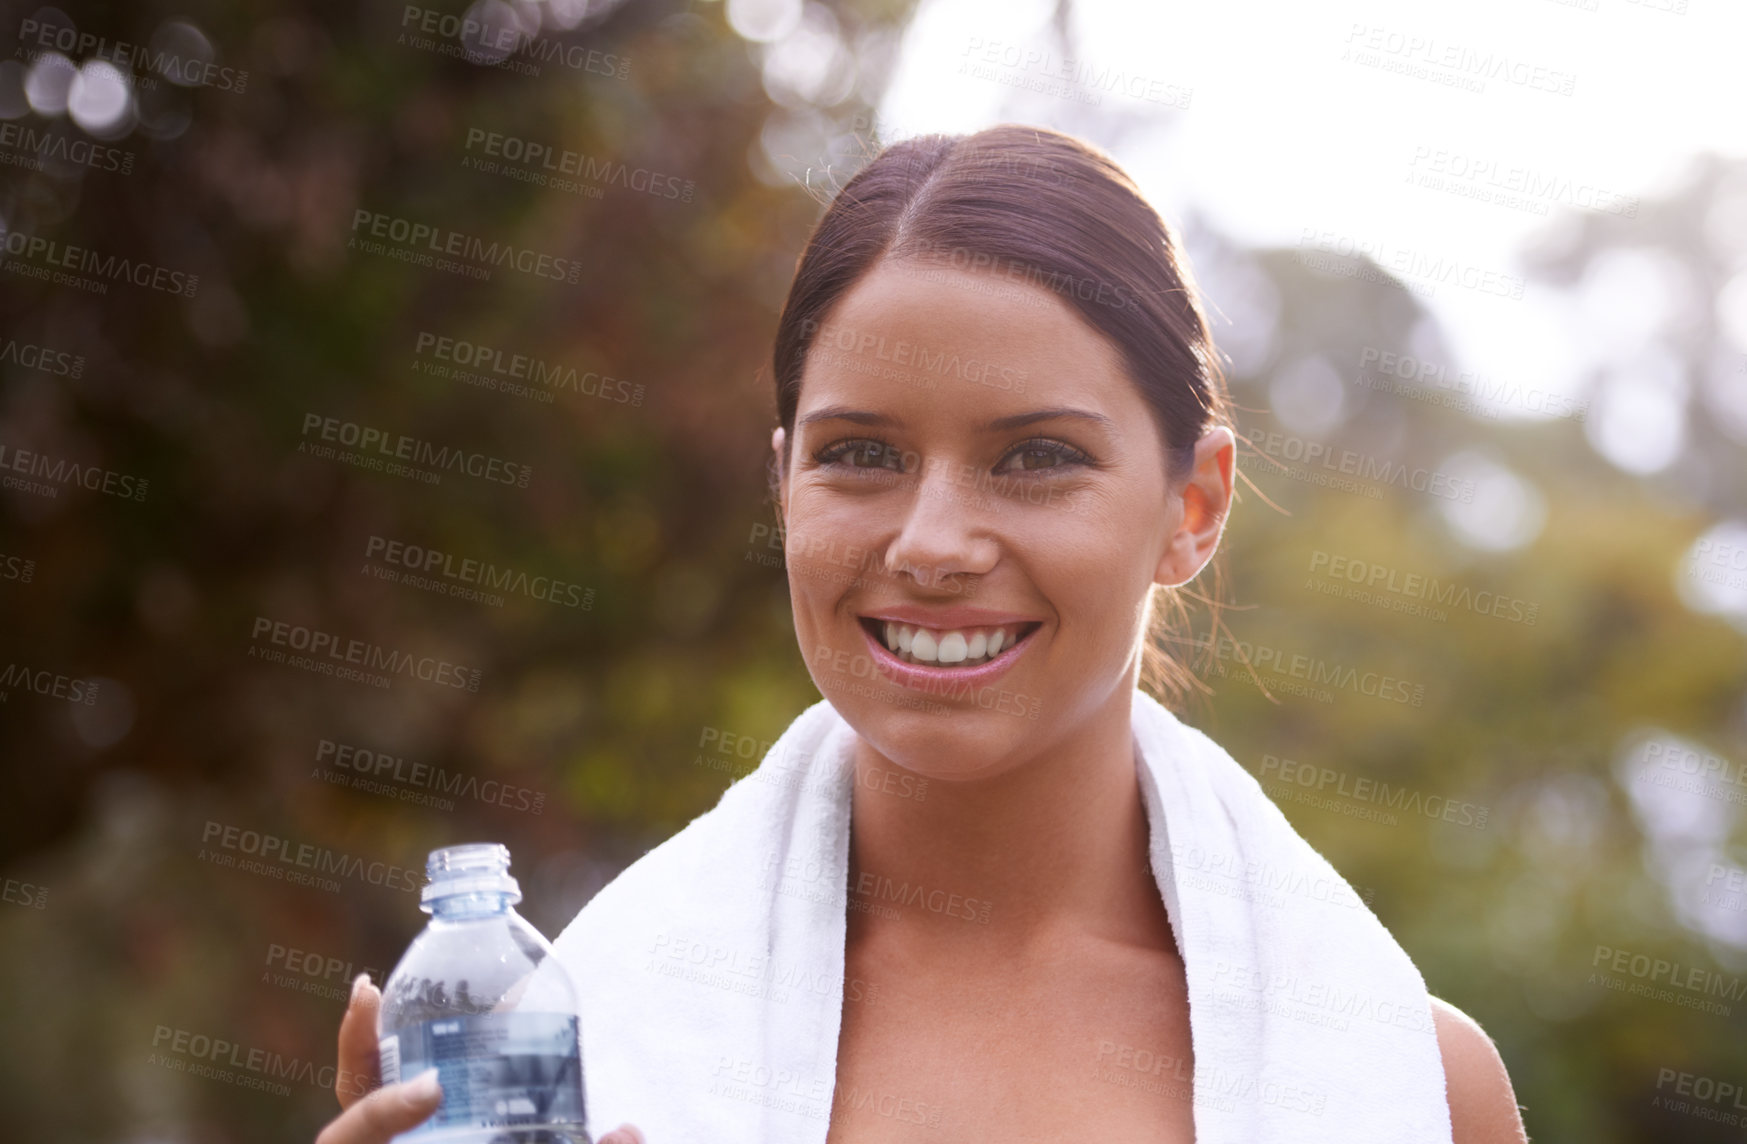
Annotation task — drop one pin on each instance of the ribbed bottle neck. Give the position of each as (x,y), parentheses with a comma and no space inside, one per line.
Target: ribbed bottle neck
(461,907)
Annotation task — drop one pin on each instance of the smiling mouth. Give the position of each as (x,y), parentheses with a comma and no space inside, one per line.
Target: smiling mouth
(952,647)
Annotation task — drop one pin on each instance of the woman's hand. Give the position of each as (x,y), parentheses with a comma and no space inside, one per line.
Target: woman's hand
(373,1113)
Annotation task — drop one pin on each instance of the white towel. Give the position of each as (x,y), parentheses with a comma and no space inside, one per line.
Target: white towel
(711,972)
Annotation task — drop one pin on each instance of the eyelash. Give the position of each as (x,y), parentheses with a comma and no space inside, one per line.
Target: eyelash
(1067,455)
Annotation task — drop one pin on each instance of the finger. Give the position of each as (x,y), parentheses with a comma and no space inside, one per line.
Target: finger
(391,1109)
(623,1134)
(358,1072)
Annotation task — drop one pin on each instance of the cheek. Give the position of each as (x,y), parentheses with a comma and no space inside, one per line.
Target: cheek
(1090,565)
(829,549)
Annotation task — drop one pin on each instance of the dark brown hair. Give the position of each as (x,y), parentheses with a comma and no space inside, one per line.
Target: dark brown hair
(1036,206)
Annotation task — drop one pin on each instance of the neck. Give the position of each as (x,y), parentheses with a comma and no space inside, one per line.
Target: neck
(1054,847)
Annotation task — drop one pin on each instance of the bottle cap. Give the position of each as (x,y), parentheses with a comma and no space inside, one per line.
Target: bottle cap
(472,868)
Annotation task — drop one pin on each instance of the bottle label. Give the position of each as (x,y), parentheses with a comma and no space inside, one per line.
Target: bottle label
(496,1069)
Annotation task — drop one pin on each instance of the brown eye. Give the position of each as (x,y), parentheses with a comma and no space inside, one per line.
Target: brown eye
(863,453)
(876,455)
(1042,454)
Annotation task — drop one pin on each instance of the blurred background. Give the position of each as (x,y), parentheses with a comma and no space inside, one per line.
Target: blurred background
(383,416)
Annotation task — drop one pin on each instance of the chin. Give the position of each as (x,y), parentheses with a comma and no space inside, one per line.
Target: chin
(957,745)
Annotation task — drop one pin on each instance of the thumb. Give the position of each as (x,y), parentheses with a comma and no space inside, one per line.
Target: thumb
(394,1108)
(623,1134)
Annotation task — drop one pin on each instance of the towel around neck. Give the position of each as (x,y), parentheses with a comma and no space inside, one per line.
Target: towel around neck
(710,972)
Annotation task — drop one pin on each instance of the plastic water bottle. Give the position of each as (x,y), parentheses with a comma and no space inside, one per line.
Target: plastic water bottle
(480,997)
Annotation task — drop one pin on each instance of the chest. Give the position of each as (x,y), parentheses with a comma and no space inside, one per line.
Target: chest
(1092,1046)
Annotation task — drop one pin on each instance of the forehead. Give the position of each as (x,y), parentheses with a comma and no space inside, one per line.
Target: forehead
(942,341)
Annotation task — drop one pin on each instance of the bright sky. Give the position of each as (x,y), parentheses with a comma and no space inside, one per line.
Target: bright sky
(1284,134)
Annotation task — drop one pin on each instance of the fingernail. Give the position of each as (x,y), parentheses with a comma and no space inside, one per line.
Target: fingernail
(423,1089)
(358,984)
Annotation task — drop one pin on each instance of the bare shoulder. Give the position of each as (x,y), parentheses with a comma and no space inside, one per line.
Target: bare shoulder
(1483,1108)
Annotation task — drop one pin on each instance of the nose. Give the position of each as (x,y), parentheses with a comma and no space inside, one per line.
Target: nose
(943,532)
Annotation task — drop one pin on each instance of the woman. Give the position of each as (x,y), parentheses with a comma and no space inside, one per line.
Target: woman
(1002,436)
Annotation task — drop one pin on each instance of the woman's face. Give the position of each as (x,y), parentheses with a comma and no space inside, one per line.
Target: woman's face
(970,463)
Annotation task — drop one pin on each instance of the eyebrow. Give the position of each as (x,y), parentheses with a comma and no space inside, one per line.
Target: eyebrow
(865,417)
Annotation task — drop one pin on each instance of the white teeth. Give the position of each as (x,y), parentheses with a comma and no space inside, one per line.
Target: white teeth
(958,646)
(923,646)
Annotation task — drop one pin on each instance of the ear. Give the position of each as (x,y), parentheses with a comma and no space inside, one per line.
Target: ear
(1201,507)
